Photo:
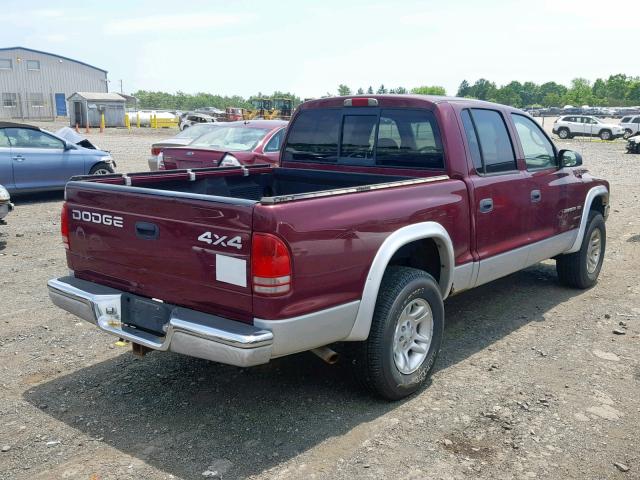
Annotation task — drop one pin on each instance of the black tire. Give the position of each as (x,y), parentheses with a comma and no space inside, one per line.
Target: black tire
(627,134)
(564,133)
(101,169)
(573,270)
(605,135)
(374,363)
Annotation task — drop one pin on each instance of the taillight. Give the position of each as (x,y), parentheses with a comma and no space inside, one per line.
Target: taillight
(155,150)
(64,225)
(270,265)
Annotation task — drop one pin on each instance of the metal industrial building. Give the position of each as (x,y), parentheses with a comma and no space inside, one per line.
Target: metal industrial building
(36,85)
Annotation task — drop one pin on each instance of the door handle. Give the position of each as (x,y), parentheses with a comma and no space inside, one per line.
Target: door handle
(536,196)
(18,158)
(147,231)
(486,205)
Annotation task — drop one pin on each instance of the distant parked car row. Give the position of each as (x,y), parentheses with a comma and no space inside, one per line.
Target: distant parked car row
(607,112)
(33,160)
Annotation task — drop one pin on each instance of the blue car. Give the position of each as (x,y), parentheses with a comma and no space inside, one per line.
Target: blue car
(33,160)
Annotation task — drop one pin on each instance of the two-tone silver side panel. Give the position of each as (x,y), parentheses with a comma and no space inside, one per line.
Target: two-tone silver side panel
(512,261)
(592,194)
(389,247)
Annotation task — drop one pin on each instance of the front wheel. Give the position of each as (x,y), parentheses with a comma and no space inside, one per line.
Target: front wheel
(582,268)
(101,169)
(606,135)
(627,134)
(405,336)
(563,133)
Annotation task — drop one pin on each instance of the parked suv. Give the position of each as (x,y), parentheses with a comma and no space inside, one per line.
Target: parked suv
(570,126)
(630,125)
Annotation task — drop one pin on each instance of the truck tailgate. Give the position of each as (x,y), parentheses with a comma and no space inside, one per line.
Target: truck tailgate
(184,251)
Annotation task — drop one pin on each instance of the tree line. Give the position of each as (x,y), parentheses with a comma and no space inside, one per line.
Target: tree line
(616,91)
(344,90)
(186,101)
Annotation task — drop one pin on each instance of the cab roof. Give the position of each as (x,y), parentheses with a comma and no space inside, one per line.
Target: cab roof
(407,101)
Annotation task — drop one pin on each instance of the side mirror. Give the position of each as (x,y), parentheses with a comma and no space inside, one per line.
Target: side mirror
(569,158)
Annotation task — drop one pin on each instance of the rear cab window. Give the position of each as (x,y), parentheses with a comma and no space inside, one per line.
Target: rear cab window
(391,137)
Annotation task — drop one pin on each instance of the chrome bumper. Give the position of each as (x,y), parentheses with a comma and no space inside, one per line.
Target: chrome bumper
(188,332)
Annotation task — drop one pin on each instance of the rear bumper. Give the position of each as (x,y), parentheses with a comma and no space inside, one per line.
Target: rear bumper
(188,332)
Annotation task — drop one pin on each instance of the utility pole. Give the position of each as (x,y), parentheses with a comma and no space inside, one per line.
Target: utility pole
(121,91)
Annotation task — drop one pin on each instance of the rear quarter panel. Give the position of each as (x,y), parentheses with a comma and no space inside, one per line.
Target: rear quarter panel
(333,240)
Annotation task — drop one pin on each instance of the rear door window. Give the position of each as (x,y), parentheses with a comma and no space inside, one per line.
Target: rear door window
(494,141)
(472,141)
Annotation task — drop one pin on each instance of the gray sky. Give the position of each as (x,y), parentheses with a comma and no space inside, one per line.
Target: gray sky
(309,47)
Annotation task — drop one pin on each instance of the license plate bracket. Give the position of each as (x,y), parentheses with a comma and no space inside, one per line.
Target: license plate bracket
(145,314)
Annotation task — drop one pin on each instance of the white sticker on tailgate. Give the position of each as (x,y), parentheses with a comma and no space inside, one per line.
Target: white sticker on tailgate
(231,270)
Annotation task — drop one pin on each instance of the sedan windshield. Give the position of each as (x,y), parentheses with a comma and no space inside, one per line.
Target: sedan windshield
(196,131)
(238,139)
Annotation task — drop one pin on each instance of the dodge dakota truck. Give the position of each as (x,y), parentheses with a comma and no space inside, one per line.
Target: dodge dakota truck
(381,208)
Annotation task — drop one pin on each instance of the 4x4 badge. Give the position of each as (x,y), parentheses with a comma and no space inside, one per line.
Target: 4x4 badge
(213,239)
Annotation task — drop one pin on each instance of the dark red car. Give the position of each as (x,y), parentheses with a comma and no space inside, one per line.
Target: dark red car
(231,144)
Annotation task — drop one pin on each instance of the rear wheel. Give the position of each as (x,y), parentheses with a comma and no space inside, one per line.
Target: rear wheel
(581,269)
(606,135)
(405,336)
(101,169)
(563,133)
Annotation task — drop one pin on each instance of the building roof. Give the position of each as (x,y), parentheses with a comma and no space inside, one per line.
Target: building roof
(53,55)
(100,96)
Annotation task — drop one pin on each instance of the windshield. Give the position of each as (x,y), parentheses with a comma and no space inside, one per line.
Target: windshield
(195,131)
(238,139)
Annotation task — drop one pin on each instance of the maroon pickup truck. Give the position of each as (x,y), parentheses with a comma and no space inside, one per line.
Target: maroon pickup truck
(382,207)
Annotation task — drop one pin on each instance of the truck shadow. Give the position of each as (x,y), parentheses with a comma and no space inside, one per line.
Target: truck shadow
(182,415)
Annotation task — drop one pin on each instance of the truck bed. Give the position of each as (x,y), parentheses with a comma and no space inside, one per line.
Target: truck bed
(256,184)
(165,234)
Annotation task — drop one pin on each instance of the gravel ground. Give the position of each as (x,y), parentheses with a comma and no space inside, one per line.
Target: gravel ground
(532,381)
